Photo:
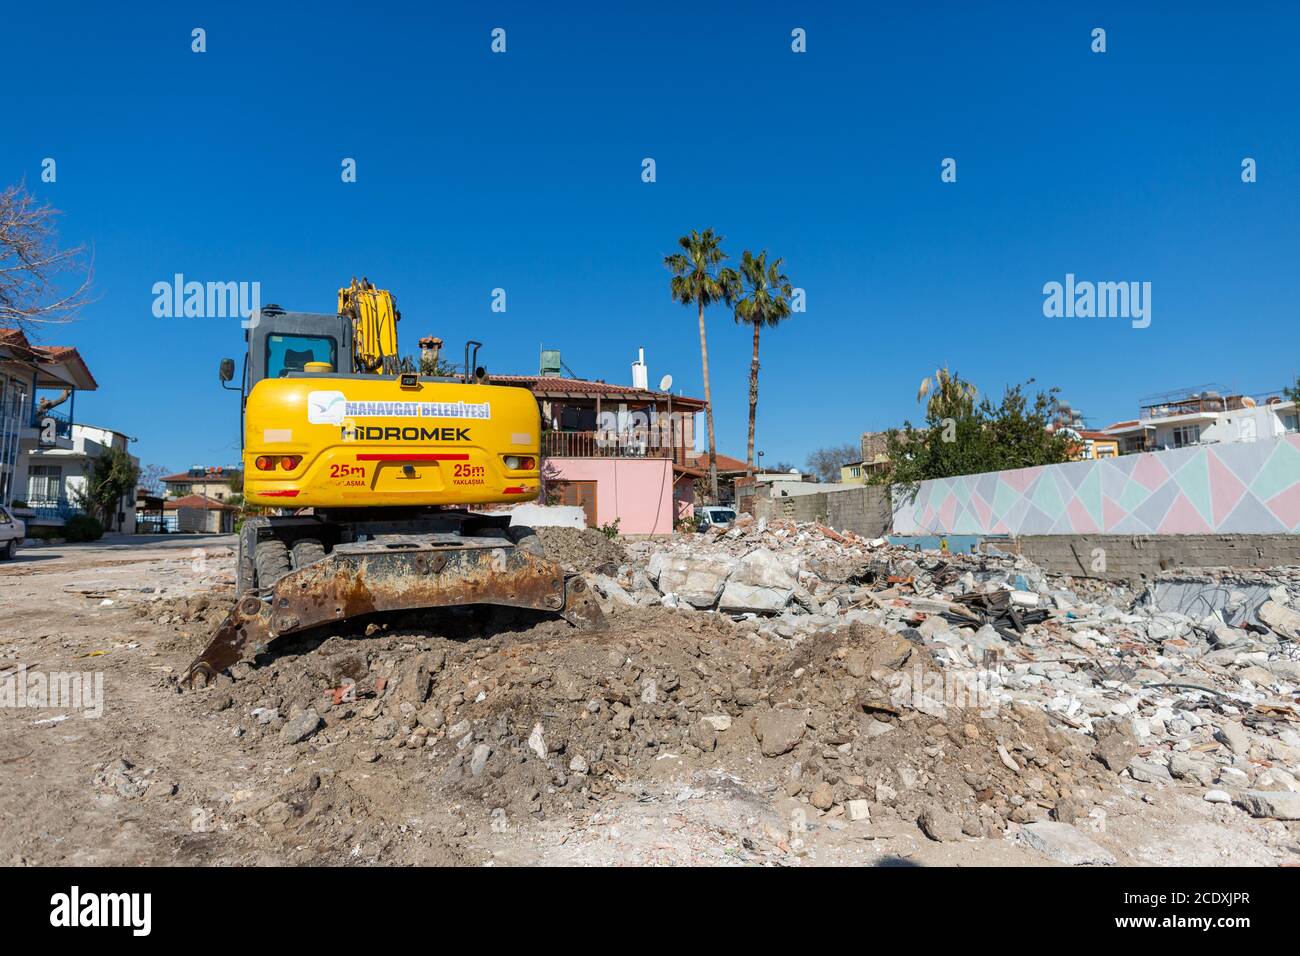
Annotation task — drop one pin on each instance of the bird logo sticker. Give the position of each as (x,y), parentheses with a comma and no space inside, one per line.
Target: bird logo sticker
(326,408)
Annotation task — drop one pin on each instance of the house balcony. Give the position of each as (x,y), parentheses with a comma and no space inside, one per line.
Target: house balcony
(598,444)
(52,429)
(47,431)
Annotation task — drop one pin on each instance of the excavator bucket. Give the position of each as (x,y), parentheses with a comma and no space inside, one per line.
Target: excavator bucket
(395,573)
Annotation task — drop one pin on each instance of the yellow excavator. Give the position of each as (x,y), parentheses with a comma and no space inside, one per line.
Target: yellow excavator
(373,462)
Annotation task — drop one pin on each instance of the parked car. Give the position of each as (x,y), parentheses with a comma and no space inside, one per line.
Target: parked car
(714,516)
(12,530)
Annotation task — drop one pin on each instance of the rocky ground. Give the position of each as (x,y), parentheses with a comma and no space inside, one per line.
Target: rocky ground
(771,695)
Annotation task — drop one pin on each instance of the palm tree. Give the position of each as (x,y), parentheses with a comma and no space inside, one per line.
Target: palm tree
(952,397)
(698,279)
(766,301)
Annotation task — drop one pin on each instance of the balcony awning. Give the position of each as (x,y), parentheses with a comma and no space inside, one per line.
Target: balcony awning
(575,389)
(56,366)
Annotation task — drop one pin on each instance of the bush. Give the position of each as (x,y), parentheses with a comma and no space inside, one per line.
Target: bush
(83,528)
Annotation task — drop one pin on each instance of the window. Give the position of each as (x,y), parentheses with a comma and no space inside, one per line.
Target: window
(1291,421)
(44,483)
(1185,435)
(291,353)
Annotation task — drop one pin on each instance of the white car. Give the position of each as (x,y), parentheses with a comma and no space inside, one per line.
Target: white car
(12,530)
(714,516)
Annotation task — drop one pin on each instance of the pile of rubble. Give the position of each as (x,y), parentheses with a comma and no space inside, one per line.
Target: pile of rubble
(582,549)
(1201,672)
(972,694)
(545,720)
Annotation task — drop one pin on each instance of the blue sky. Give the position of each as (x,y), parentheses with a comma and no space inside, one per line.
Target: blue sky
(522,171)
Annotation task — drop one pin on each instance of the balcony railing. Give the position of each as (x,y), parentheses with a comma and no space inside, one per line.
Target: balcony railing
(604,445)
(1203,404)
(62,424)
(53,509)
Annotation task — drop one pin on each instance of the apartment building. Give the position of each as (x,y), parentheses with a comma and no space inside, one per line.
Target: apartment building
(56,477)
(38,392)
(217,482)
(1203,416)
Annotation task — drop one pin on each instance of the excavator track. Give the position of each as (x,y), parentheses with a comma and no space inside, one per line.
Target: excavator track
(394,573)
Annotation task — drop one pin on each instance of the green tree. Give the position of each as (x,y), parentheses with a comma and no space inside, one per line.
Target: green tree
(764,301)
(700,279)
(112,475)
(962,438)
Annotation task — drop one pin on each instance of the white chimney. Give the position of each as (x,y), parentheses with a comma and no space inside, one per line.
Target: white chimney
(640,376)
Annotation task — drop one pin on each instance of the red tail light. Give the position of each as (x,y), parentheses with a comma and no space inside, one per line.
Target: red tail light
(290,462)
(265,463)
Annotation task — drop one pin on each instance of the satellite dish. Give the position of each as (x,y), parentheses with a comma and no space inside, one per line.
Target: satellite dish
(665,383)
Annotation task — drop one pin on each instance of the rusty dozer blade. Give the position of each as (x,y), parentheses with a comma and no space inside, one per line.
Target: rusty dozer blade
(357,579)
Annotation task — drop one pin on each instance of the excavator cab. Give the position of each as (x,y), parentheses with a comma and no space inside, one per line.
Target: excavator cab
(287,343)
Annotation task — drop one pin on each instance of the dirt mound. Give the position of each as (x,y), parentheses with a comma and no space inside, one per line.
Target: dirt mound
(208,608)
(535,719)
(582,549)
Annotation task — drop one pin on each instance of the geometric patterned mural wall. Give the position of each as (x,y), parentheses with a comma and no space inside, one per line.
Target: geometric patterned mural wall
(1230,487)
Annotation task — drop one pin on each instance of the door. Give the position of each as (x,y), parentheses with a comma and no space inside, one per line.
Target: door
(581,494)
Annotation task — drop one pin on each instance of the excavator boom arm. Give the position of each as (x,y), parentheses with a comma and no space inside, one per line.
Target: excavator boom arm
(374,318)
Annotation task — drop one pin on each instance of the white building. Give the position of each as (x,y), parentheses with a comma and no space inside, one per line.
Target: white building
(1205,417)
(56,477)
(38,397)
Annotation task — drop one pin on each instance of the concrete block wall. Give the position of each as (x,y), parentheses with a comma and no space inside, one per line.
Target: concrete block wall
(1132,557)
(792,507)
(864,510)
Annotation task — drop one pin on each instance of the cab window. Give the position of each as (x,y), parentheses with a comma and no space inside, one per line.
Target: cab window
(291,353)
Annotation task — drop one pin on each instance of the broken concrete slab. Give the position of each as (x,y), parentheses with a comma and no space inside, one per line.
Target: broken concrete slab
(1064,844)
(611,590)
(740,598)
(762,568)
(1282,619)
(1274,804)
(697,581)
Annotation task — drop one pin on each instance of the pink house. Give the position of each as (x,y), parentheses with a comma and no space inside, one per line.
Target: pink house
(621,453)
